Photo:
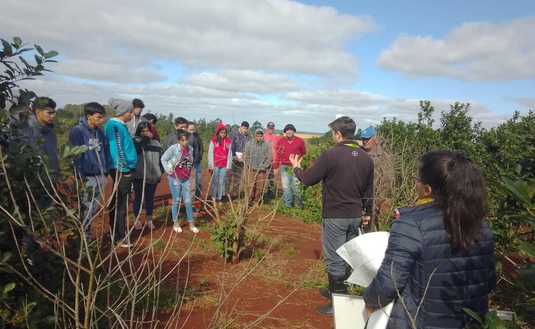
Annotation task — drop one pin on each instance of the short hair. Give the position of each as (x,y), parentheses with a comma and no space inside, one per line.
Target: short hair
(245,124)
(345,126)
(191,123)
(94,108)
(149,117)
(182,133)
(138,103)
(42,103)
(181,121)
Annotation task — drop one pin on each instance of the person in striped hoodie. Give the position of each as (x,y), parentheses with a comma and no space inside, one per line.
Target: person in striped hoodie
(123,162)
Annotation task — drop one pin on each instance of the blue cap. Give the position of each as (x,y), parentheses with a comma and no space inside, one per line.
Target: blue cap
(368,133)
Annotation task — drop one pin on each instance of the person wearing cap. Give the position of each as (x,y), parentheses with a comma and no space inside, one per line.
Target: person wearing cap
(289,145)
(138,106)
(367,136)
(257,159)
(239,140)
(271,138)
(123,162)
(346,173)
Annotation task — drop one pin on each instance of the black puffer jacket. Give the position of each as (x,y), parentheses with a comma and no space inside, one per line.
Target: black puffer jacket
(417,246)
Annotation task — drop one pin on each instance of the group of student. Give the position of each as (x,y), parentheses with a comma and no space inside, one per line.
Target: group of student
(127,148)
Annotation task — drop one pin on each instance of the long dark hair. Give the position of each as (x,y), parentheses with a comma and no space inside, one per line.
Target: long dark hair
(142,125)
(458,189)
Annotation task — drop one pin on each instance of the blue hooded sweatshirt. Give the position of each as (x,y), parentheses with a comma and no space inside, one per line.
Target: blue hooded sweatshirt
(94,162)
(122,152)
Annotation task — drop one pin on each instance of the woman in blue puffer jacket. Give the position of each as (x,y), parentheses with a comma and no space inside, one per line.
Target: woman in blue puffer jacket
(440,255)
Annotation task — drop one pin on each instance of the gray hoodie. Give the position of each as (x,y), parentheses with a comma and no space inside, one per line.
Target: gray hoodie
(148,166)
(258,155)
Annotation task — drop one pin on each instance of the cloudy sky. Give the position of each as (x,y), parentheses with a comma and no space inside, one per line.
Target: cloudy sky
(286,61)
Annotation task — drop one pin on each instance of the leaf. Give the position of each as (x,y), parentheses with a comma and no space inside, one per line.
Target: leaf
(8,50)
(17,42)
(9,287)
(51,54)
(39,50)
(527,248)
(38,59)
(473,315)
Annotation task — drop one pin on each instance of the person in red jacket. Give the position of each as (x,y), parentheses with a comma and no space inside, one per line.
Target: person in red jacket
(288,145)
(271,138)
(219,161)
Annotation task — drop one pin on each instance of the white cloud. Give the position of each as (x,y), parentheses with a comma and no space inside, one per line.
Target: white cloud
(123,37)
(525,102)
(245,81)
(473,51)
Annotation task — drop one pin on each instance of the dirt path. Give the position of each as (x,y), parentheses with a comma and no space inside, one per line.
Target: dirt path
(285,273)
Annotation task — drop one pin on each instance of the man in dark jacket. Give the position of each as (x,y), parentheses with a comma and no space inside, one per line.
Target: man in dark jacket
(239,140)
(346,172)
(92,165)
(195,142)
(39,133)
(180,124)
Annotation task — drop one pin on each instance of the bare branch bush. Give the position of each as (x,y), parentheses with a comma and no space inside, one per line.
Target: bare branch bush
(100,284)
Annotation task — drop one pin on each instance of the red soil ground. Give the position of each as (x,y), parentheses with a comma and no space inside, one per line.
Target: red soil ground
(286,279)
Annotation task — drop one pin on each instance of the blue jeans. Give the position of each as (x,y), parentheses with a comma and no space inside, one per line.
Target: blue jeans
(180,191)
(198,180)
(291,192)
(218,183)
(91,199)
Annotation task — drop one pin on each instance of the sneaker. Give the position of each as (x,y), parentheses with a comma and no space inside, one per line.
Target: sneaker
(138,225)
(150,225)
(125,245)
(193,229)
(177,228)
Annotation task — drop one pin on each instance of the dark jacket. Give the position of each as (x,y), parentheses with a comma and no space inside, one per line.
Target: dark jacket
(44,141)
(238,143)
(95,161)
(418,245)
(169,140)
(195,142)
(346,171)
(148,166)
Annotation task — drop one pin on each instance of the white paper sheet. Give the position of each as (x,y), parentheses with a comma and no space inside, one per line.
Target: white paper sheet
(364,254)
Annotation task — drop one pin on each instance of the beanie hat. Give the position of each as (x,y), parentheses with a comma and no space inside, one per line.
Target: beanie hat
(289,127)
(120,106)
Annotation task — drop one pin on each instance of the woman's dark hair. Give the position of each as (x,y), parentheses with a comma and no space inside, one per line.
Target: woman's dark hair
(458,189)
(345,126)
(142,125)
(93,108)
(182,133)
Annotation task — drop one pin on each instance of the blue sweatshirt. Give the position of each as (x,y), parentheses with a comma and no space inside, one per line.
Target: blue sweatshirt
(122,152)
(94,162)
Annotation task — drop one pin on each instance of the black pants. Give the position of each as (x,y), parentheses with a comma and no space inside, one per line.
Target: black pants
(118,207)
(148,197)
